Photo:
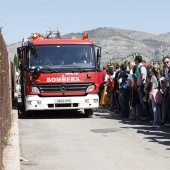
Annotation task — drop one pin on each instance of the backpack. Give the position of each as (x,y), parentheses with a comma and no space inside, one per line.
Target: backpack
(124,77)
(135,85)
(110,84)
(157,96)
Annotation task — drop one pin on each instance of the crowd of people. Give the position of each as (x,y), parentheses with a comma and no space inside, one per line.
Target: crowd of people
(138,90)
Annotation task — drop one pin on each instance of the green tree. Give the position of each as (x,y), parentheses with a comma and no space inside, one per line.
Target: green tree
(168,55)
(16,61)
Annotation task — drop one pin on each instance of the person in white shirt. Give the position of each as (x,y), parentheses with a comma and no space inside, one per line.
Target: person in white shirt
(130,67)
(141,81)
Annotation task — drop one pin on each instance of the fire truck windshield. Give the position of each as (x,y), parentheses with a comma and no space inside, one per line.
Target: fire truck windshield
(63,56)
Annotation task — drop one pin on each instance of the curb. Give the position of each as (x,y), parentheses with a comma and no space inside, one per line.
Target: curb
(11,154)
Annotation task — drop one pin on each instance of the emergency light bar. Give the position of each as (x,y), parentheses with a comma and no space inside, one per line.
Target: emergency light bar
(36,36)
(85,36)
(52,35)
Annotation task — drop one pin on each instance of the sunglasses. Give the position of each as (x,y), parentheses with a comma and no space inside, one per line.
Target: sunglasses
(166,62)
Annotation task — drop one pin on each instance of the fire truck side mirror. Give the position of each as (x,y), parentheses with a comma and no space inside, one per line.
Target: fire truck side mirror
(19,50)
(33,49)
(34,52)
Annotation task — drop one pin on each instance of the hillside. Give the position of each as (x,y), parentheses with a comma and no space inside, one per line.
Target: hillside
(120,43)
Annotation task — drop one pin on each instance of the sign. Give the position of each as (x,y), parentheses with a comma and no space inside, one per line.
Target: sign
(63,79)
(58,101)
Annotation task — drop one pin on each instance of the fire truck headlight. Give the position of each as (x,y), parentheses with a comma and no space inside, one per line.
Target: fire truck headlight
(35,89)
(90,88)
(91,100)
(95,100)
(34,102)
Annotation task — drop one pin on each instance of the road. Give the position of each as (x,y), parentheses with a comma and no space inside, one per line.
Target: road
(65,140)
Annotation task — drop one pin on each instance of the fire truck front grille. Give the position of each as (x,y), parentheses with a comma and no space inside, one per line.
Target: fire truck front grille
(48,88)
(63,105)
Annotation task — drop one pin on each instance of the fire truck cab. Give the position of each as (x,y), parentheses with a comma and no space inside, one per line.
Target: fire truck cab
(59,74)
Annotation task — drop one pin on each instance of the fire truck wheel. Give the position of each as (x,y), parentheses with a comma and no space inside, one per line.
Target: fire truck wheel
(28,113)
(88,112)
(22,113)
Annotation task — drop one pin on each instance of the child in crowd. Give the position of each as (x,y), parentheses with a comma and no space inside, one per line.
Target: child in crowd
(146,98)
(155,107)
(110,88)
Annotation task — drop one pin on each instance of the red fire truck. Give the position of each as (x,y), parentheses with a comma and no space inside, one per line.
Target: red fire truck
(58,73)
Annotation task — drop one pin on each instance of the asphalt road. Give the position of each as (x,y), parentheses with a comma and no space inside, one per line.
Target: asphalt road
(65,140)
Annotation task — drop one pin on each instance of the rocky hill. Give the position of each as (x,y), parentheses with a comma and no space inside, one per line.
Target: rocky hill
(121,43)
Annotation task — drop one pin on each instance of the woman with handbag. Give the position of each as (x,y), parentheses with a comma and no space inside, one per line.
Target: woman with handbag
(152,96)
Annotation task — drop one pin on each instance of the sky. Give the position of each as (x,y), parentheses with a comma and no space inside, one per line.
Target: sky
(21,18)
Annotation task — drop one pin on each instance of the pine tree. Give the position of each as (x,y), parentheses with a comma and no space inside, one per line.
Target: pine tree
(16,61)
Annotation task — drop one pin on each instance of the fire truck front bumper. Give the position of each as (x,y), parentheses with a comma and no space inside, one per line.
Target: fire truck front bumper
(34,102)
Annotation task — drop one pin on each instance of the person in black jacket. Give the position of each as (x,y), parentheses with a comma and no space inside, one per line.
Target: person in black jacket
(123,91)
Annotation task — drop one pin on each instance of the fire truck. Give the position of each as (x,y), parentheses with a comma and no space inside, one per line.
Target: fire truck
(54,77)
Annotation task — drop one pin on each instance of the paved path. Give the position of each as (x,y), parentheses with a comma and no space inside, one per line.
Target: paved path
(11,154)
(69,141)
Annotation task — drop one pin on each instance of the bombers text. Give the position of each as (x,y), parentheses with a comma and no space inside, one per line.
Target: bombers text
(63,79)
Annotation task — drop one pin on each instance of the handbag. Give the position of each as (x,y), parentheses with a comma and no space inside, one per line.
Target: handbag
(105,98)
(157,96)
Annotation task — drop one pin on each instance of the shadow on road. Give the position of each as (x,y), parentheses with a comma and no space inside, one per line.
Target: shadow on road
(158,134)
(50,114)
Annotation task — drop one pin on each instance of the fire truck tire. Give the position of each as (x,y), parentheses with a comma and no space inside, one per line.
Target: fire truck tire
(28,113)
(22,95)
(22,113)
(88,112)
